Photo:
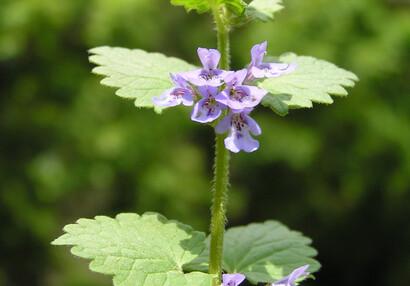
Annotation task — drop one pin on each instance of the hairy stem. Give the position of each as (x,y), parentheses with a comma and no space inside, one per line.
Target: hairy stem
(221,168)
(223,37)
(219,208)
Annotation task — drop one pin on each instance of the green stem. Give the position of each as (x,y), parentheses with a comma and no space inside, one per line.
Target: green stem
(223,38)
(221,171)
(219,208)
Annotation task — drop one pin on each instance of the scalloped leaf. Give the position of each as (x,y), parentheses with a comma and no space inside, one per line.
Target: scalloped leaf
(200,5)
(138,75)
(313,81)
(264,10)
(264,252)
(138,250)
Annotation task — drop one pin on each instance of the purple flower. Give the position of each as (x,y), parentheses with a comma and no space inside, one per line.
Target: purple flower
(207,109)
(209,75)
(289,280)
(232,279)
(238,96)
(175,95)
(239,125)
(257,69)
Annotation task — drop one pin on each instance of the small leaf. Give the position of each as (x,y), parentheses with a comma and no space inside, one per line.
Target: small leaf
(200,5)
(264,9)
(235,6)
(314,80)
(264,252)
(138,75)
(138,250)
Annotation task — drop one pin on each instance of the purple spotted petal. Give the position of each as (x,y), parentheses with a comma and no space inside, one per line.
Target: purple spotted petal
(239,125)
(207,109)
(238,96)
(236,142)
(290,279)
(209,75)
(182,93)
(232,279)
(174,96)
(243,96)
(201,77)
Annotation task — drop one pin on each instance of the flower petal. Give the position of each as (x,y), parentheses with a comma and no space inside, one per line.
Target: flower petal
(214,57)
(240,76)
(257,72)
(195,110)
(247,143)
(204,111)
(298,272)
(203,55)
(223,97)
(236,78)
(232,279)
(224,125)
(208,91)
(290,279)
(272,70)
(239,137)
(231,144)
(187,98)
(209,58)
(244,96)
(201,77)
(190,74)
(257,53)
(278,69)
(168,97)
(253,125)
(178,80)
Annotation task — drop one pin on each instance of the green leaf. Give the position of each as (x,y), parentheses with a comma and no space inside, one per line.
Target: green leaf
(200,5)
(277,103)
(313,81)
(138,250)
(264,252)
(264,9)
(138,75)
(235,6)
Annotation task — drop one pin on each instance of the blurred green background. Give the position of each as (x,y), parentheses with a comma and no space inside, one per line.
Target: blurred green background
(70,148)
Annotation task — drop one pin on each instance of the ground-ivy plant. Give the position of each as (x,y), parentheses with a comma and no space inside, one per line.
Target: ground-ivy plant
(149,249)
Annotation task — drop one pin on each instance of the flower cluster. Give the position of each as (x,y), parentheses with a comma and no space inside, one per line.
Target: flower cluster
(216,92)
(237,278)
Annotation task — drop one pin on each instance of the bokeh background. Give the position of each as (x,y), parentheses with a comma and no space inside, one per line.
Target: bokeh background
(70,148)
